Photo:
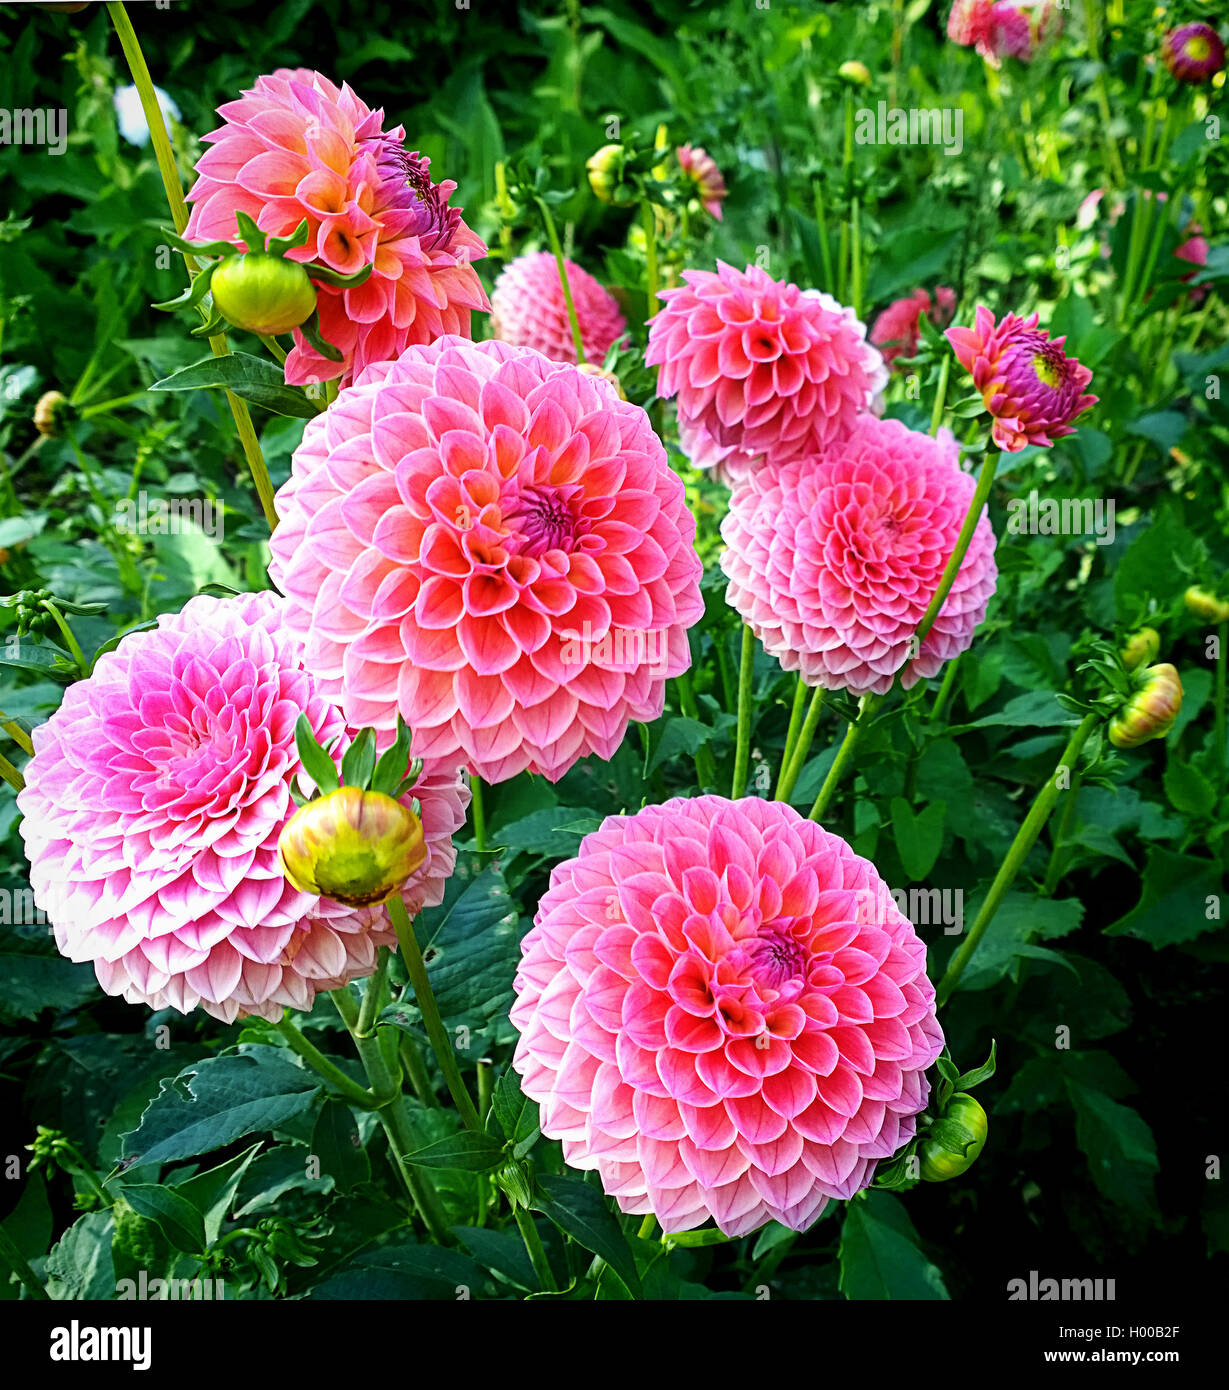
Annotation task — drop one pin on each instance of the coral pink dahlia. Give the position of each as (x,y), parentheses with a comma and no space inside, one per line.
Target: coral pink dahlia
(764,367)
(897,330)
(1029,384)
(495,545)
(153,805)
(723,1013)
(700,167)
(833,561)
(528,309)
(296,146)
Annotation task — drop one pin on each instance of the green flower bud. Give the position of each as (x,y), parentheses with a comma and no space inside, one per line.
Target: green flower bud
(1141,647)
(855,72)
(1205,604)
(353,846)
(605,171)
(1151,711)
(963,1122)
(50,413)
(263,293)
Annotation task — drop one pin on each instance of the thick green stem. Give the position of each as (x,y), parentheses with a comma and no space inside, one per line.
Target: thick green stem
(792,770)
(415,1068)
(985,481)
(10,774)
(844,753)
(1026,837)
(16,733)
(478,807)
(536,1250)
(795,721)
(560,260)
(649,220)
(946,687)
(319,1063)
(1057,849)
(432,1022)
(1218,714)
(936,414)
(742,748)
(74,647)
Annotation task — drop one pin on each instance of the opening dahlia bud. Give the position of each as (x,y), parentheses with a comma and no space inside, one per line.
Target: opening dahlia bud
(1193,52)
(1151,711)
(356,847)
(1205,604)
(262,293)
(1140,647)
(605,168)
(954,1141)
(855,72)
(50,413)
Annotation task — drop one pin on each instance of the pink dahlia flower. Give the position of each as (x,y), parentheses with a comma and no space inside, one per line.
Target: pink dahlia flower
(1003,30)
(698,165)
(296,146)
(898,329)
(833,561)
(528,309)
(1029,384)
(495,545)
(1193,52)
(723,1013)
(762,366)
(153,805)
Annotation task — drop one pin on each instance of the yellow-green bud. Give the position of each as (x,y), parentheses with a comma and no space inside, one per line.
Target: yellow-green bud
(1151,711)
(940,1163)
(263,293)
(1205,604)
(605,171)
(1141,647)
(353,846)
(49,413)
(855,72)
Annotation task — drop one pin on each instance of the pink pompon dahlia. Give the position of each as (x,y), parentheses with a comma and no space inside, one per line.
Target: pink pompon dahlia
(833,561)
(1004,30)
(723,1012)
(296,146)
(1193,53)
(699,166)
(897,330)
(495,545)
(1029,384)
(762,366)
(528,309)
(153,805)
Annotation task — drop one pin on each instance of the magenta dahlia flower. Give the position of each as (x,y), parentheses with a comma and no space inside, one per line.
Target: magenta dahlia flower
(1193,53)
(723,1012)
(1029,384)
(495,545)
(296,146)
(833,561)
(528,309)
(897,330)
(763,367)
(1003,30)
(153,805)
(699,166)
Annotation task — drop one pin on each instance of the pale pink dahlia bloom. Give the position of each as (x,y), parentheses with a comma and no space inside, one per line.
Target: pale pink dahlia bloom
(495,545)
(528,309)
(832,561)
(897,330)
(701,168)
(1029,384)
(296,146)
(723,1012)
(153,804)
(761,366)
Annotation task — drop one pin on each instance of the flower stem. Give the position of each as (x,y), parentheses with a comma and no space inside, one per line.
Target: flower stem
(649,220)
(844,753)
(792,768)
(1057,848)
(478,807)
(412,1063)
(1218,714)
(74,647)
(985,481)
(945,688)
(165,157)
(553,237)
(936,415)
(1026,837)
(10,774)
(333,1074)
(825,249)
(16,733)
(434,1024)
(535,1250)
(742,749)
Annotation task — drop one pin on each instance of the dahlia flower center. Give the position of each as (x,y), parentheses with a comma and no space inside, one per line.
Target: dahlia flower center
(777,957)
(546,520)
(419,194)
(1198,47)
(1048,370)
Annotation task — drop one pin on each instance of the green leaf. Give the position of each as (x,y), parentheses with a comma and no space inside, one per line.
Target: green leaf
(178,1219)
(516,1114)
(337,1144)
(251,378)
(1120,1149)
(919,836)
(359,760)
(501,1251)
(1147,573)
(580,1211)
(402,1271)
(464,1152)
(79,1265)
(1037,709)
(554,831)
(1188,790)
(219,1100)
(1021,918)
(967,1080)
(33,975)
(1179,892)
(879,1253)
(211,1192)
(681,737)
(316,762)
(393,762)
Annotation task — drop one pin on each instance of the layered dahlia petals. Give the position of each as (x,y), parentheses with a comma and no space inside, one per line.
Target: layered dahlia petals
(722,1012)
(833,561)
(152,809)
(528,309)
(761,368)
(492,544)
(297,147)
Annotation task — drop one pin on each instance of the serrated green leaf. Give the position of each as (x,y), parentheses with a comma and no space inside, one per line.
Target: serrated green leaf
(177,1218)
(879,1253)
(580,1211)
(463,1152)
(251,378)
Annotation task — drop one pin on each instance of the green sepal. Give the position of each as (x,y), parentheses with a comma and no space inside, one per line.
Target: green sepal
(333,277)
(316,762)
(279,245)
(359,760)
(195,292)
(390,771)
(249,232)
(969,1079)
(203,248)
(214,324)
(310,329)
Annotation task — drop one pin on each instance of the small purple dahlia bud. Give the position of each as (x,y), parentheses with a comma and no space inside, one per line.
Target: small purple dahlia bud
(1193,53)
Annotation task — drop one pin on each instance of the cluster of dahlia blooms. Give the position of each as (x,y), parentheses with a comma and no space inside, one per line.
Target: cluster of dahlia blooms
(1029,384)
(897,330)
(528,309)
(152,809)
(494,545)
(298,147)
(723,1013)
(763,371)
(833,560)
(1004,30)
(1193,53)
